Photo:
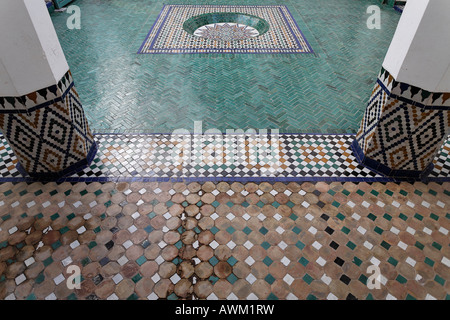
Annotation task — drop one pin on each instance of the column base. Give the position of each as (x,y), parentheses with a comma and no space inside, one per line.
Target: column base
(385,170)
(53,176)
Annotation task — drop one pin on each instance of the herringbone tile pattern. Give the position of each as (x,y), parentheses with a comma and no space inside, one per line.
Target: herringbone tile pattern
(326,92)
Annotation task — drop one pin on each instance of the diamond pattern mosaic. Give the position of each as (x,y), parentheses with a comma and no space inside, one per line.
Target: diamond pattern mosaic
(167,34)
(235,157)
(224,240)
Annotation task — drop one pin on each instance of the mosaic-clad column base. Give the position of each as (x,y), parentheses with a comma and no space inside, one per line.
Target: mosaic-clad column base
(48,130)
(402,129)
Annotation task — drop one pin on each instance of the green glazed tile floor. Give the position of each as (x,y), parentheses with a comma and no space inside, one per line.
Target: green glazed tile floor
(324,92)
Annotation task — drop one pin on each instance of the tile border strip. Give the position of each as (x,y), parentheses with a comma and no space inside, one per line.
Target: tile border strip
(290,24)
(313,176)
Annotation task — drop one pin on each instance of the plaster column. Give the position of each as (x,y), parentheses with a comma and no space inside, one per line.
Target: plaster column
(407,118)
(41,115)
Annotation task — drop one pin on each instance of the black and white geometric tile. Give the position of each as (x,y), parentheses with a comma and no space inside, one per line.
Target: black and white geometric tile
(225,157)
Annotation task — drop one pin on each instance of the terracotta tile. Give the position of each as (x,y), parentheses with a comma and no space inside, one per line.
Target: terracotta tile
(124,289)
(203,289)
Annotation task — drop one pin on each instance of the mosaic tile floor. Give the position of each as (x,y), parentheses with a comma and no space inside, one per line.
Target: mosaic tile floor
(233,157)
(224,240)
(324,92)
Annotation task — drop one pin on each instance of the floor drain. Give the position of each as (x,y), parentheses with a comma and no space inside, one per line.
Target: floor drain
(226,26)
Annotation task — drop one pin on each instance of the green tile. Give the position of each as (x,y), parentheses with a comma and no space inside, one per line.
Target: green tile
(303,261)
(85,261)
(92,244)
(385,245)
(429,262)
(419,245)
(215,203)
(434,217)
(387,217)
(336,204)
(300,245)
(141,260)
(371,216)
(213,261)
(357,261)
(340,216)
(378,230)
(271,296)
(134,296)
(214,230)
(392,261)
(48,261)
(403,217)
(363,279)
(369,297)
(40,278)
(231,230)
(418,217)
(269,279)
(439,280)
(436,245)
(232,278)
(72,296)
(401,279)
(31,296)
(351,245)
(136,278)
(54,216)
(232,261)
(55,245)
(307,278)
(267,261)
(345,230)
